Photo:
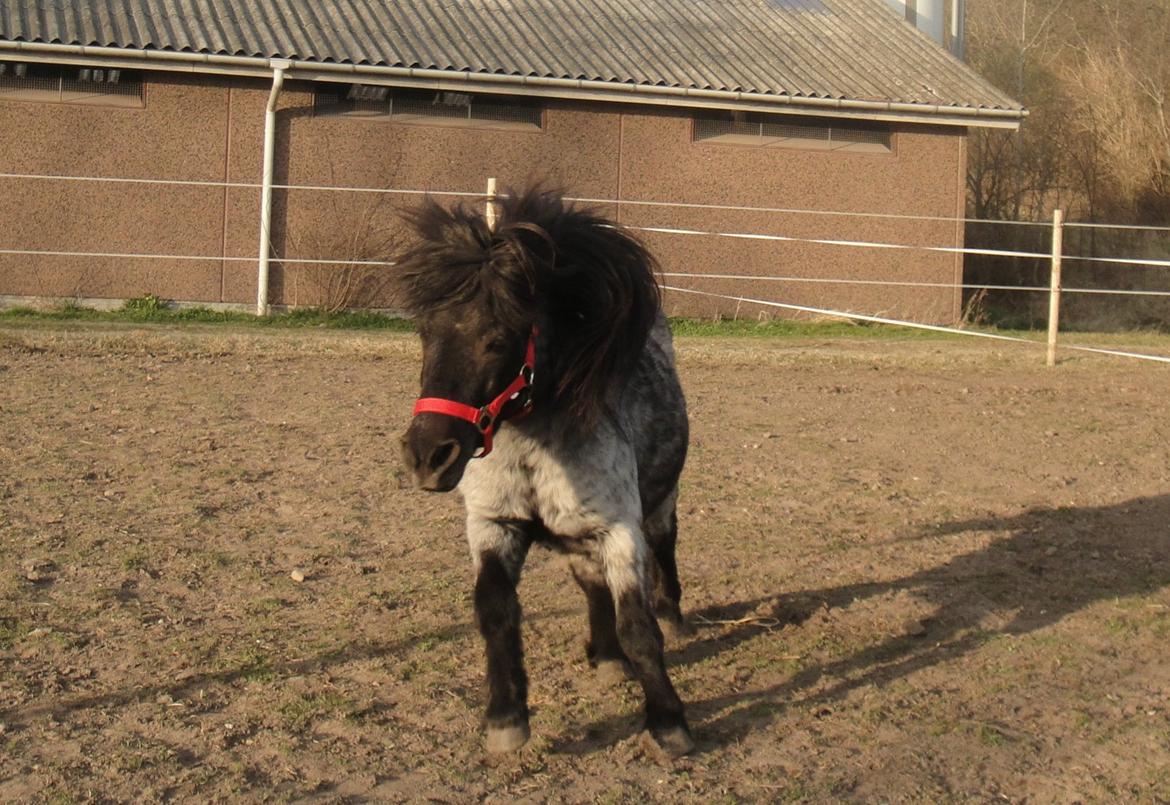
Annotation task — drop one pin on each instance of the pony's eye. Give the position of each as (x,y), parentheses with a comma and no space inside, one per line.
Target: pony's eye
(497,346)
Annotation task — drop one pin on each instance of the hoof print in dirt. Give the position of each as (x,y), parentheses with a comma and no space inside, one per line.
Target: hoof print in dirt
(40,572)
(507,739)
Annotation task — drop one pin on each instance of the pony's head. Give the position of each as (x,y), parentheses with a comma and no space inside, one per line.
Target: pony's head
(478,296)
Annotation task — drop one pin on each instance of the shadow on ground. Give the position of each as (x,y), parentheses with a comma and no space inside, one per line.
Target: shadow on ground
(1053,562)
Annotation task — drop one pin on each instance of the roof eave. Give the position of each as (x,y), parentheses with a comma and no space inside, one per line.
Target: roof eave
(571,89)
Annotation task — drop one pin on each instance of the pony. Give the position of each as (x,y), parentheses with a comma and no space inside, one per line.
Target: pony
(549,398)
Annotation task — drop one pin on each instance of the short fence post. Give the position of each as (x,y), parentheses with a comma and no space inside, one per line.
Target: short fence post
(1054,284)
(490,209)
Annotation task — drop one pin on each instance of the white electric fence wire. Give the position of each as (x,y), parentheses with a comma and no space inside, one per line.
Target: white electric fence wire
(1153,263)
(244,185)
(1130,227)
(211,258)
(735,277)
(898,246)
(831,281)
(1108,292)
(1121,261)
(581,200)
(831,242)
(907,284)
(915,325)
(797,211)
(389,191)
(481,194)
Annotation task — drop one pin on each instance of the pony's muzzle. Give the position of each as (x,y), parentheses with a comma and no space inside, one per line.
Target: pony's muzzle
(436,459)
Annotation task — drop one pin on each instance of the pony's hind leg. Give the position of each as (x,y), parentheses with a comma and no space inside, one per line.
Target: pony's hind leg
(602,649)
(662,534)
(623,553)
(499,552)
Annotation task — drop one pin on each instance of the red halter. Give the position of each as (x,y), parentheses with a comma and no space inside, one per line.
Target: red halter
(487,417)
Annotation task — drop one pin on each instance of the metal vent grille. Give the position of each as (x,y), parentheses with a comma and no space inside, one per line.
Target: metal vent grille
(59,84)
(742,128)
(794,131)
(359,100)
(354,101)
(862,136)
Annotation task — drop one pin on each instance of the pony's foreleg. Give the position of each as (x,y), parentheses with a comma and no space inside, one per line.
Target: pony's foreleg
(498,552)
(624,557)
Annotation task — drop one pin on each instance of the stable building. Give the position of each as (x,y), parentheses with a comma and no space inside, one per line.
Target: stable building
(253,155)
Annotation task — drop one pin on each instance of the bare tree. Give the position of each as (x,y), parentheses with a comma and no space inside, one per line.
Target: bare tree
(1096,79)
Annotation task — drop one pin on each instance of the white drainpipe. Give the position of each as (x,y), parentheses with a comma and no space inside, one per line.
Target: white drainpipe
(266,187)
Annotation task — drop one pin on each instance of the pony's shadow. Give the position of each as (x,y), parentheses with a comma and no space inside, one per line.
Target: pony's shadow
(1052,563)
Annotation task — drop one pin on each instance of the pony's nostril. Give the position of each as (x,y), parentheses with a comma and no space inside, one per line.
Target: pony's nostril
(444,454)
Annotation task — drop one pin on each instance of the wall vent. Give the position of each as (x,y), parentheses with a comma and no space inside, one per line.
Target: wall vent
(427,107)
(751,129)
(52,83)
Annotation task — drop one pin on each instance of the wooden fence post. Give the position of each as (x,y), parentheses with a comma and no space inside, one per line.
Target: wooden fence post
(1054,284)
(490,209)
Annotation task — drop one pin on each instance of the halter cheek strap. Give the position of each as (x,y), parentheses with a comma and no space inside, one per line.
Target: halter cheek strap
(487,418)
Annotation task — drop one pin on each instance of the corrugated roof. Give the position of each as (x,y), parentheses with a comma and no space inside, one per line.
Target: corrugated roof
(829,49)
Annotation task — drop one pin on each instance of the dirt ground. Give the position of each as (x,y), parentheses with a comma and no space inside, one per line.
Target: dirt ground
(919,570)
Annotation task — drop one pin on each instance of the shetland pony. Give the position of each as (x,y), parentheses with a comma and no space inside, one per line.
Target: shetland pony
(549,398)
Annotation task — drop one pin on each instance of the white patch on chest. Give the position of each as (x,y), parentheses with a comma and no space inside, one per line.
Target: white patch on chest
(574,492)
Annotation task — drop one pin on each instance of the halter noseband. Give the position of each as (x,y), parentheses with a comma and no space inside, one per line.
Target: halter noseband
(487,417)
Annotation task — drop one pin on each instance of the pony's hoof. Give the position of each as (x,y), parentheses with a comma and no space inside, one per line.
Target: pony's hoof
(674,741)
(614,672)
(677,628)
(507,739)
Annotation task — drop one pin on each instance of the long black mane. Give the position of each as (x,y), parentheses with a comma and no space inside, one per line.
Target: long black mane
(588,283)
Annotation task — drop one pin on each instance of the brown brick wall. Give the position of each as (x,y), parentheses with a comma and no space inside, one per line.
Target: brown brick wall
(178,135)
(923,176)
(211,130)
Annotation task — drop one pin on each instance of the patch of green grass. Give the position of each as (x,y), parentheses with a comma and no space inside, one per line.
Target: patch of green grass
(1140,338)
(10,631)
(151,309)
(135,559)
(990,736)
(21,313)
(782,328)
(796,791)
(145,306)
(253,665)
(266,606)
(299,712)
(1121,626)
